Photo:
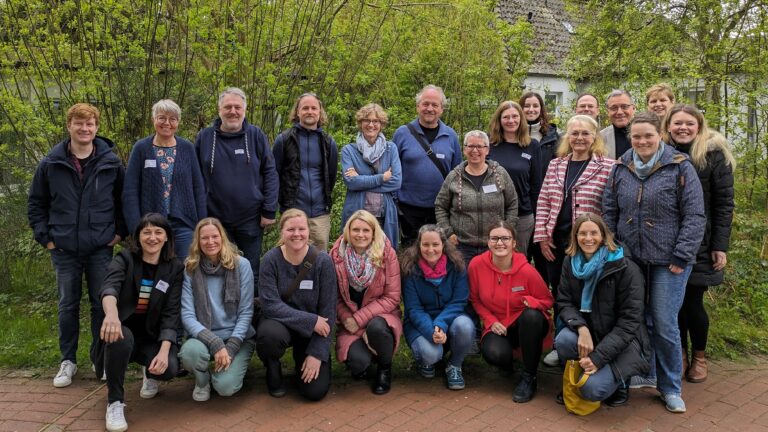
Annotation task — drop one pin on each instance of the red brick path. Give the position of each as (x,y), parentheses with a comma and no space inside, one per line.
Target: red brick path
(734,398)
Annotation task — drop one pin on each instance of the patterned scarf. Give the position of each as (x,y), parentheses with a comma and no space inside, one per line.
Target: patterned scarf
(360,268)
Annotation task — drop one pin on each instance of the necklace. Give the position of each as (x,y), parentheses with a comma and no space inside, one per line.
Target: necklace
(568,187)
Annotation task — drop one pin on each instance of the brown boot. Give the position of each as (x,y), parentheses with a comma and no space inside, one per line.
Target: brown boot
(698,371)
(685,364)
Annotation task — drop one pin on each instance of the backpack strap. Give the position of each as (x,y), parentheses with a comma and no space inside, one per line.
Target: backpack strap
(306,266)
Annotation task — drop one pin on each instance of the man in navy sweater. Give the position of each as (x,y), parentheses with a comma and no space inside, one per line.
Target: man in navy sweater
(240,176)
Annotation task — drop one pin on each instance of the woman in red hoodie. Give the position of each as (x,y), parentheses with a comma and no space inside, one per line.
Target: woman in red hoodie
(513,302)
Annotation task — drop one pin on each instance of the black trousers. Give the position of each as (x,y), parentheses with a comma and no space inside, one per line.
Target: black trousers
(693,319)
(412,218)
(527,333)
(381,339)
(140,349)
(273,338)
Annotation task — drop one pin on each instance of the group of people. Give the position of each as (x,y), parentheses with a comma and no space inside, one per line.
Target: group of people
(627,227)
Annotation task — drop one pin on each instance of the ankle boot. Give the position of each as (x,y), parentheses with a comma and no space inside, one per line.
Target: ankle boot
(525,389)
(383,380)
(618,398)
(698,371)
(274,378)
(685,363)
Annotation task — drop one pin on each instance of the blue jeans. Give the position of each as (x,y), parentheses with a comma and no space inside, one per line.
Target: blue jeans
(182,238)
(461,333)
(69,281)
(667,291)
(602,384)
(247,236)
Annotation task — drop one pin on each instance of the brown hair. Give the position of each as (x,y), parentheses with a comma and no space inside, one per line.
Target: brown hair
(290,214)
(496,132)
(543,116)
(573,247)
(410,256)
(647,117)
(293,116)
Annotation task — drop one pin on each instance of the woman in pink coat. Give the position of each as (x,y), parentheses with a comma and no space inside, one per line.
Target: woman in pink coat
(368,305)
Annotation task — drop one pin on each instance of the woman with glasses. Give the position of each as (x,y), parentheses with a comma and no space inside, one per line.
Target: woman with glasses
(163,176)
(513,302)
(475,194)
(372,173)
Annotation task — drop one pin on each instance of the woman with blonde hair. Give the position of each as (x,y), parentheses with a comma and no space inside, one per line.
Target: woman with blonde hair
(368,304)
(514,149)
(659,99)
(216,311)
(686,130)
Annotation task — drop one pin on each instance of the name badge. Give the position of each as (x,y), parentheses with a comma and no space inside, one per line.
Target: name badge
(162,286)
(150,163)
(440,155)
(489,188)
(517,289)
(239,151)
(306,284)
(526,156)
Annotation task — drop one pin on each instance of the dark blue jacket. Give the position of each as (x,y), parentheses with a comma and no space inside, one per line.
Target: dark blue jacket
(660,219)
(143,189)
(78,216)
(545,152)
(241,181)
(427,305)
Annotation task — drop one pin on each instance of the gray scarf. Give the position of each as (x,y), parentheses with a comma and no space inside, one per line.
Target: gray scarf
(371,153)
(200,289)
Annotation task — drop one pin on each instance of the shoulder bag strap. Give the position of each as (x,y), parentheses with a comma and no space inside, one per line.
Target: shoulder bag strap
(306,266)
(427,149)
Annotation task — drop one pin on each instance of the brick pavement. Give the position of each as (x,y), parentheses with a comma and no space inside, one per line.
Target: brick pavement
(734,398)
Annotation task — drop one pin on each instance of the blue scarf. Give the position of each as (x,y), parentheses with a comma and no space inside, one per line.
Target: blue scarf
(590,271)
(371,152)
(643,169)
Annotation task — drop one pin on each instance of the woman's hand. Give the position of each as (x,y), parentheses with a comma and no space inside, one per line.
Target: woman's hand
(546,250)
(350,172)
(159,364)
(115,240)
(221,360)
(499,329)
(439,337)
(585,344)
(587,365)
(387,174)
(675,269)
(310,370)
(321,326)
(454,239)
(370,348)
(111,328)
(351,325)
(719,260)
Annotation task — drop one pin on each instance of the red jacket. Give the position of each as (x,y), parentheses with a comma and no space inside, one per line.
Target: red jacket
(498,296)
(381,298)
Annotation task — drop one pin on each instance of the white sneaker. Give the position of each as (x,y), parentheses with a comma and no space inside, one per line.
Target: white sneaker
(149,387)
(201,394)
(116,417)
(66,371)
(552,359)
(103,375)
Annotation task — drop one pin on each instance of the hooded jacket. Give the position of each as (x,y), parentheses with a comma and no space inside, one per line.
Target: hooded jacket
(78,216)
(499,295)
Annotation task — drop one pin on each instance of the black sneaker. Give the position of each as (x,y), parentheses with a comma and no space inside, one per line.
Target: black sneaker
(525,389)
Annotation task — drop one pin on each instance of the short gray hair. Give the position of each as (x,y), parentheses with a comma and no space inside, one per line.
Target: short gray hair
(617,93)
(443,99)
(479,134)
(233,91)
(166,106)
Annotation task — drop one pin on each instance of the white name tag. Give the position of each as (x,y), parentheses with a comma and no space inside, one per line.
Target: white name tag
(239,151)
(150,163)
(526,156)
(517,289)
(440,155)
(489,188)
(306,284)
(162,286)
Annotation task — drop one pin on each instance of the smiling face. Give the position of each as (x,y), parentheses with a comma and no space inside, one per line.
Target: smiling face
(82,131)
(510,121)
(430,108)
(475,150)
(501,242)
(232,113)
(360,235)
(308,112)
(532,109)
(370,127)
(166,124)
(210,242)
(645,140)
(431,247)
(580,139)
(683,127)
(295,233)
(659,103)
(152,239)
(589,238)
(588,105)
(620,110)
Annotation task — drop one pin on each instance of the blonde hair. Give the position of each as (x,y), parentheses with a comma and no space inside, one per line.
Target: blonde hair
(496,132)
(705,139)
(598,145)
(293,116)
(376,110)
(287,215)
(660,88)
(376,249)
(573,247)
(228,254)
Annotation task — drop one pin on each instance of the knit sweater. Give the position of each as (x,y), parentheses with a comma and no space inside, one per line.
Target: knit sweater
(143,186)
(468,212)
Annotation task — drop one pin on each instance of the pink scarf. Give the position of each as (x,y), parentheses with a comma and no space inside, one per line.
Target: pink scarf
(438,272)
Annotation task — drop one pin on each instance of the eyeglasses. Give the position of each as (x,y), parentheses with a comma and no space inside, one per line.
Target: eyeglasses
(623,107)
(579,134)
(370,121)
(163,119)
(503,239)
(475,147)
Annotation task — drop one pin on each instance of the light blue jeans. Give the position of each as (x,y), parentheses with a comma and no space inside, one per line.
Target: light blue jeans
(196,358)
(602,384)
(461,333)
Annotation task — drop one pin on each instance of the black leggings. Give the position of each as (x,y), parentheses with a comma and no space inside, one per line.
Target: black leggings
(693,319)
(272,341)
(527,333)
(141,349)
(381,339)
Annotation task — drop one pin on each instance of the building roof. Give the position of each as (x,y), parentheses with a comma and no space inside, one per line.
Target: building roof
(553,29)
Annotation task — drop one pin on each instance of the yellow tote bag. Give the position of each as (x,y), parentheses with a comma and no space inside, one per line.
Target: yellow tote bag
(573,380)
